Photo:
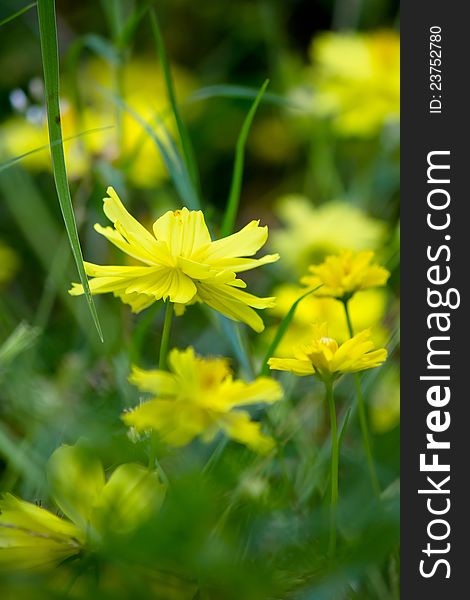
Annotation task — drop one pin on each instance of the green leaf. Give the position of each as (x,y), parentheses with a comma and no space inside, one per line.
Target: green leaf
(281,330)
(186,145)
(235,188)
(17,14)
(50,61)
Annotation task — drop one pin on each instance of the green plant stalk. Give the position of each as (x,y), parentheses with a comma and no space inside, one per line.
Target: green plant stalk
(334,465)
(50,61)
(361,409)
(235,188)
(164,344)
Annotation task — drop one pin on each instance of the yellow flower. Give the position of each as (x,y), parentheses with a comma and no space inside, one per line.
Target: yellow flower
(8,263)
(357,80)
(328,360)
(32,537)
(346,273)
(311,232)
(180,262)
(198,398)
(367,309)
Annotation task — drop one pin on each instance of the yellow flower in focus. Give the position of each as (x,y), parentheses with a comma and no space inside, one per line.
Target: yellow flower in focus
(199,397)
(367,309)
(357,80)
(8,263)
(346,273)
(32,537)
(180,263)
(328,360)
(311,233)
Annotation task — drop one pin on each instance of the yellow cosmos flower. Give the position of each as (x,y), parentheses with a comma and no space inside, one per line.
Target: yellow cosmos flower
(199,397)
(180,263)
(328,360)
(367,310)
(357,80)
(32,537)
(312,232)
(346,273)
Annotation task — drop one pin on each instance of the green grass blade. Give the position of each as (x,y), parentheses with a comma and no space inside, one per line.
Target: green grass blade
(16,159)
(50,61)
(235,188)
(17,14)
(169,152)
(281,330)
(244,92)
(186,145)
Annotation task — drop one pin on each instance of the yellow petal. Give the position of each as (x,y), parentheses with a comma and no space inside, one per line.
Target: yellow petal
(239,393)
(160,383)
(76,477)
(243,243)
(184,231)
(129,498)
(129,227)
(299,367)
(239,427)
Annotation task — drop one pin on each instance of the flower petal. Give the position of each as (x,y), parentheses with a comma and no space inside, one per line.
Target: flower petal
(238,426)
(76,477)
(160,383)
(299,367)
(245,242)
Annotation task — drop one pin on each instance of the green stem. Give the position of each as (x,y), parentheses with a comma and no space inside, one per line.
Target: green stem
(361,409)
(165,335)
(334,467)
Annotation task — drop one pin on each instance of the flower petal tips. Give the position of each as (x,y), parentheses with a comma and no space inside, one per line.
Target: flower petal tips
(199,397)
(346,273)
(180,262)
(324,358)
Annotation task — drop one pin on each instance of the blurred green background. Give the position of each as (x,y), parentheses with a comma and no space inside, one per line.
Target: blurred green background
(321,169)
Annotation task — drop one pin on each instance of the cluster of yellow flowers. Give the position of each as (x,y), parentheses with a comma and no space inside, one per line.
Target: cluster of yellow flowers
(181,264)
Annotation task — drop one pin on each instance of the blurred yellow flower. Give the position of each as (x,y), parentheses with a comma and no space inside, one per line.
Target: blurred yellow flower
(367,309)
(357,80)
(328,360)
(311,233)
(121,139)
(384,405)
(346,273)
(181,263)
(32,537)
(8,263)
(199,397)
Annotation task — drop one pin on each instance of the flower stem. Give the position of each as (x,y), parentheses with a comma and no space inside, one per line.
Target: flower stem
(334,467)
(164,344)
(361,409)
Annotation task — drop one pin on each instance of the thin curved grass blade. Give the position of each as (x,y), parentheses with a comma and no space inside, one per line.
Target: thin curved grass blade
(281,330)
(235,188)
(50,60)
(186,145)
(17,14)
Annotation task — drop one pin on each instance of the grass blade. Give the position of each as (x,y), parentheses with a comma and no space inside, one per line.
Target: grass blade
(240,91)
(16,159)
(17,14)
(171,157)
(50,61)
(281,330)
(186,145)
(235,188)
